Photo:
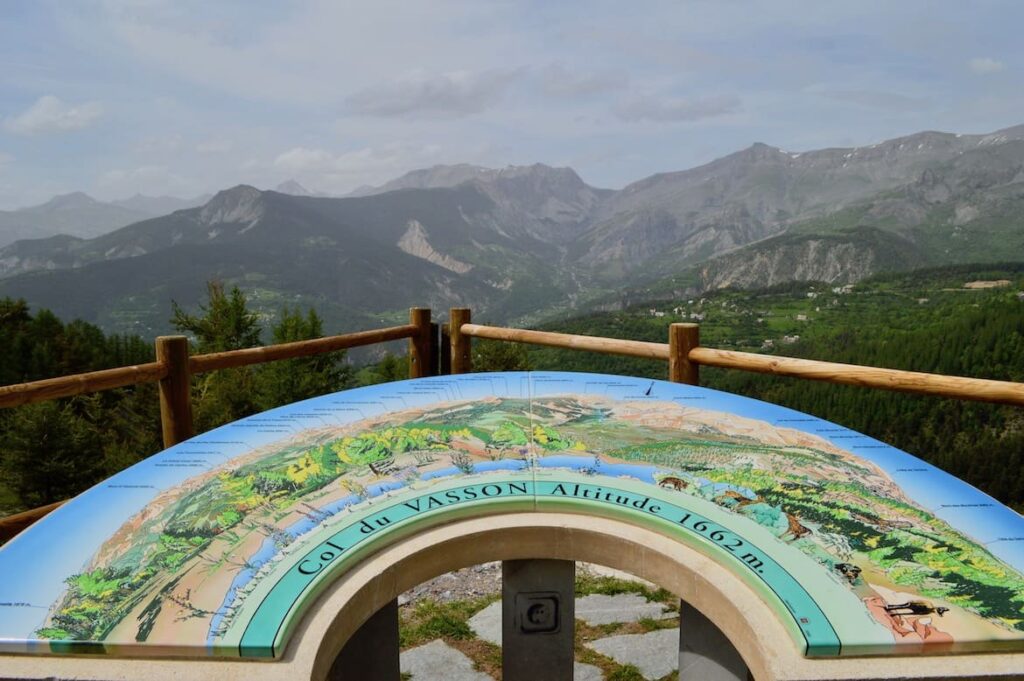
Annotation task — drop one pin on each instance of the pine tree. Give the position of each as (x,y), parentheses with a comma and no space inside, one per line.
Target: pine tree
(292,380)
(224,323)
(50,453)
(491,355)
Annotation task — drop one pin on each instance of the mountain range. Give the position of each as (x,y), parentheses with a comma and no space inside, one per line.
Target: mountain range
(82,216)
(520,242)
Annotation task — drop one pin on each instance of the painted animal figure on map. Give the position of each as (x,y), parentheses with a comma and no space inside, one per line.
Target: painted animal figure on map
(915,608)
(796,529)
(672,482)
(733,499)
(848,570)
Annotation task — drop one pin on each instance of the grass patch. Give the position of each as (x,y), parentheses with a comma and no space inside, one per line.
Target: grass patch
(626,673)
(648,624)
(613,586)
(430,619)
(485,655)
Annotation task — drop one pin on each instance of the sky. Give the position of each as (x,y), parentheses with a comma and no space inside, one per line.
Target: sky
(185,97)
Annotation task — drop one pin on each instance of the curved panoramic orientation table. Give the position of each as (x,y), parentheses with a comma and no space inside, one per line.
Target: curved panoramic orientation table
(219,546)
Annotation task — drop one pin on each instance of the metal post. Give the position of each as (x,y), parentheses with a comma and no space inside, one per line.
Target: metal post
(538,617)
(371,654)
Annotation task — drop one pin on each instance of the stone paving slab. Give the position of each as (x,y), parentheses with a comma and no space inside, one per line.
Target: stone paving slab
(438,660)
(655,653)
(586,672)
(598,609)
(604,571)
(487,623)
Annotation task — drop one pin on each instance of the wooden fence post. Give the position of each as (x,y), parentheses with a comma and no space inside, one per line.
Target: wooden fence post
(681,339)
(419,344)
(435,349)
(444,351)
(175,389)
(461,344)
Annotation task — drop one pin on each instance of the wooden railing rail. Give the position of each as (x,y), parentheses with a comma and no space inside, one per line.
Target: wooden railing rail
(684,354)
(13,524)
(958,387)
(78,384)
(95,381)
(215,361)
(609,346)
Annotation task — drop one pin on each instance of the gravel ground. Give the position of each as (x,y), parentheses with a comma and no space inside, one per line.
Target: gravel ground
(485,580)
(467,583)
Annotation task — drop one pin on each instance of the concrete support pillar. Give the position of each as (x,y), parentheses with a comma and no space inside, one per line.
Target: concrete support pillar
(372,652)
(705,654)
(538,616)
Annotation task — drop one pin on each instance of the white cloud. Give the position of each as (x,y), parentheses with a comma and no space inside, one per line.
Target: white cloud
(287,52)
(5,159)
(50,114)
(672,109)
(986,65)
(452,94)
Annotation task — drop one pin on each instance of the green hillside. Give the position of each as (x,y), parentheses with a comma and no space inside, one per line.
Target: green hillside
(921,321)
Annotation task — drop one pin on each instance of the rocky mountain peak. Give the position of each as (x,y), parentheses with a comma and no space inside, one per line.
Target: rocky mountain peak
(72,201)
(440,176)
(758,152)
(293,188)
(238,204)
(428,178)
(538,173)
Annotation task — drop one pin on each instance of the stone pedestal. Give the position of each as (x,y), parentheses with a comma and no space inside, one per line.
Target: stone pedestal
(538,619)
(372,652)
(705,654)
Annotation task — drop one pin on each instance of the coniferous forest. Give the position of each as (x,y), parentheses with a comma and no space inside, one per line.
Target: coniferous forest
(923,321)
(55,449)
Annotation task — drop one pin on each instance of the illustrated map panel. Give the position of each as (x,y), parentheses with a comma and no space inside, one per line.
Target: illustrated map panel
(219,545)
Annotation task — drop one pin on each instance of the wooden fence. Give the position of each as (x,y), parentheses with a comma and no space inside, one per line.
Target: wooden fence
(174,368)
